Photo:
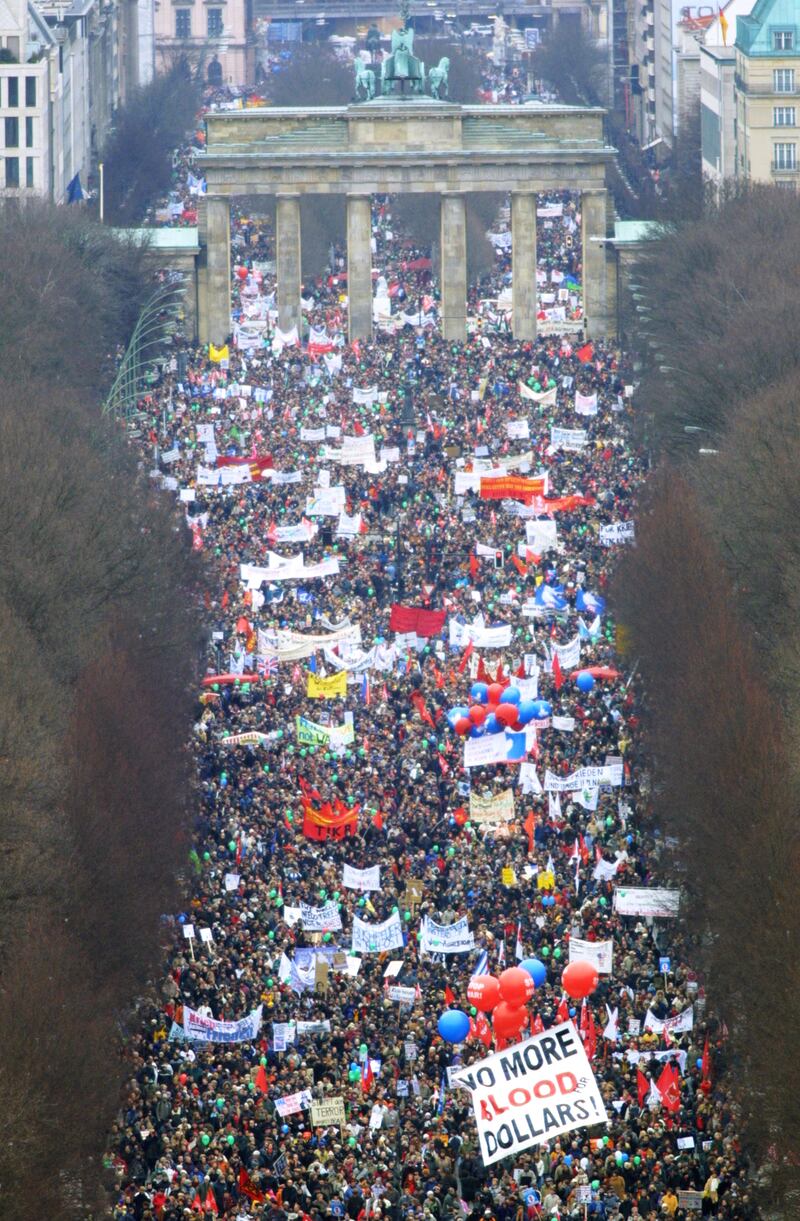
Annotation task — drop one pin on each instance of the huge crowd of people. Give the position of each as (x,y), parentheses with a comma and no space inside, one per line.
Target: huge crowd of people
(310,532)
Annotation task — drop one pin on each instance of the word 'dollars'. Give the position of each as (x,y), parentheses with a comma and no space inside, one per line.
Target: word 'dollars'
(532,1092)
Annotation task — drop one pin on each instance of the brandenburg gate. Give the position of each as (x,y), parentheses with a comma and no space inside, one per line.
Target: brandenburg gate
(392,145)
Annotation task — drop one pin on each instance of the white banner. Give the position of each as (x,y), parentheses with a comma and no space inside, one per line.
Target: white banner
(599,953)
(367,396)
(321,919)
(375,938)
(445,938)
(404,996)
(532,1092)
(679,1024)
(498,808)
(646,901)
(586,404)
(541,536)
(496,637)
(328,1114)
(568,438)
(326,502)
(584,777)
(291,1104)
(288,645)
(362,879)
(293,569)
(518,430)
(617,532)
(569,654)
(203,1029)
(491,748)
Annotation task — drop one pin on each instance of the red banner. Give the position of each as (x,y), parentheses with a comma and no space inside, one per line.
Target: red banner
(416,619)
(512,487)
(329,822)
(258,463)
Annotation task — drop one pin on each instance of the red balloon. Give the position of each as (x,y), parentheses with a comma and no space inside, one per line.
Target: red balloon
(495,693)
(516,986)
(579,979)
(508,1020)
(477,714)
(460,817)
(483,991)
(463,725)
(490,708)
(507,714)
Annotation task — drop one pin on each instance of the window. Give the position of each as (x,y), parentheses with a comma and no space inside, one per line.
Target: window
(183,23)
(215,23)
(783,116)
(29,171)
(30,90)
(783,80)
(783,40)
(788,184)
(11,132)
(13,92)
(785,157)
(29,132)
(12,171)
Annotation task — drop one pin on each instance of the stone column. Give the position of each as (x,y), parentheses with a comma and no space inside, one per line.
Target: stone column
(598,317)
(218,268)
(454,266)
(359,266)
(287,257)
(202,272)
(523,238)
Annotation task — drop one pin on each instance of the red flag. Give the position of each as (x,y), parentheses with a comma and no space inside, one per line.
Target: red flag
(520,670)
(518,564)
(530,826)
(484,1030)
(357,429)
(211,1202)
(473,565)
(248,1188)
(500,676)
(642,1086)
(588,1030)
(367,1075)
(537,1026)
(437,674)
(532,557)
(377,821)
(558,673)
(261,1079)
(706,1064)
(449,995)
(483,674)
(419,703)
(562,1013)
(585,354)
(669,1087)
(465,656)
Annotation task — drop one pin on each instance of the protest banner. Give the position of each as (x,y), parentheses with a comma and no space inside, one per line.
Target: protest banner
(691,1200)
(362,879)
(617,532)
(310,733)
(646,901)
(404,996)
(328,1114)
(568,438)
(252,738)
(327,688)
(292,1104)
(584,777)
(329,822)
(416,619)
(513,487)
(445,938)
(498,808)
(679,1024)
(202,1029)
(321,919)
(375,938)
(599,953)
(532,1092)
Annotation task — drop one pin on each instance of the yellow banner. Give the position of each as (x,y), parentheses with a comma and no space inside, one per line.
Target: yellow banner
(327,688)
(218,354)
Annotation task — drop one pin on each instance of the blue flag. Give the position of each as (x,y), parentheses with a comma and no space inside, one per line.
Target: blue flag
(590,603)
(74,191)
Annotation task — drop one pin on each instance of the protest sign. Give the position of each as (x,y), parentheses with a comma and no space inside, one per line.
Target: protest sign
(405,996)
(362,879)
(291,1104)
(617,532)
(328,1114)
(646,901)
(568,438)
(321,919)
(202,1029)
(445,938)
(526,1095)
(599,953)
(375,938)
(498,808)
(584,777)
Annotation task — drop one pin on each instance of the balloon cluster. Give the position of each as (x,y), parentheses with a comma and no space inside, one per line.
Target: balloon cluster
(496,707)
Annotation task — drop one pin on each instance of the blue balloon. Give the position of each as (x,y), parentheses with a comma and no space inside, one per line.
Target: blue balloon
(700,1063)
(526,711)
(626,1157)
(455,714)
(478,731)
(542,709)
(572,1012)
(492,725)
(510,696)
(585,681)
(536,969)
(284,1128)
(567,1159)
(479,693)
(453,1025)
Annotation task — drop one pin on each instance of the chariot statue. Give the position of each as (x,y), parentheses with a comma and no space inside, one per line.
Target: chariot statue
(365,80)
(402,67)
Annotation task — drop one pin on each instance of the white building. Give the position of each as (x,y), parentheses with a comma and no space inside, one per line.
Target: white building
(650,83)
(64,69)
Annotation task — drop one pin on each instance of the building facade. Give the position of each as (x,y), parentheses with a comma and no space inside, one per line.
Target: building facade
(64,70)
(650,105)
(767,80)
(212,36)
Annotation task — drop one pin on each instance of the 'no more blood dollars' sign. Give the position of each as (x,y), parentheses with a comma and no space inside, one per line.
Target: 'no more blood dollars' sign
(532,1092)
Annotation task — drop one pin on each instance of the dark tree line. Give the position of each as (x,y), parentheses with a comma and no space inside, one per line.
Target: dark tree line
(138,153)
(99,646)
(711,595)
